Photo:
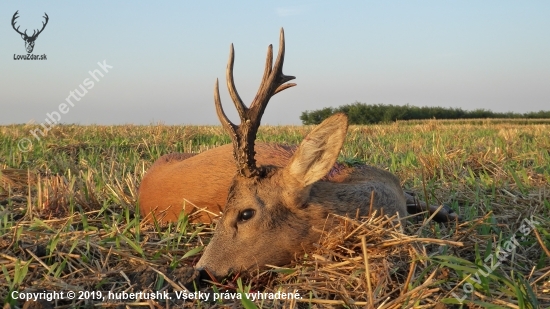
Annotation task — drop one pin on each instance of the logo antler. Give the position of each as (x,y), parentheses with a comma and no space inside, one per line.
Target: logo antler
(29,40)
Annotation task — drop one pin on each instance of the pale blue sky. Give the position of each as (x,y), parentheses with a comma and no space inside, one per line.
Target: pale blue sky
(167,55)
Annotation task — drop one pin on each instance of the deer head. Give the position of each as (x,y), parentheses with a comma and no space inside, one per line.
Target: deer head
(270,211)
(29,40)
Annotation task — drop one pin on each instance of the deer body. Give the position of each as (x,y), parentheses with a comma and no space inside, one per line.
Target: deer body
(273,217)
(202,181)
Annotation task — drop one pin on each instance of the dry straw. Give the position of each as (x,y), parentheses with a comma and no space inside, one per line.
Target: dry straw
(76,229)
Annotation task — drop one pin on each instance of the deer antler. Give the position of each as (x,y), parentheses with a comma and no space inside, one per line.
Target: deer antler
(13,24)
(244,135)
(34,33)
(43,26)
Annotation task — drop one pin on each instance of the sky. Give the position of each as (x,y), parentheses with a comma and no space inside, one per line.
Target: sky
(161,59)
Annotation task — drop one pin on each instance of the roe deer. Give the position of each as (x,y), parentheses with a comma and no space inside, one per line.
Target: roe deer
(179,179)
(280,197)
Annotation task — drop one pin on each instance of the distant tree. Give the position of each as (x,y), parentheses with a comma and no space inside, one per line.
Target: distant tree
(361,113)
(539,114)
(316,117)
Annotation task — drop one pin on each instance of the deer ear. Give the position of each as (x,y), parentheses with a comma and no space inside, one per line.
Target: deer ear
(317,152)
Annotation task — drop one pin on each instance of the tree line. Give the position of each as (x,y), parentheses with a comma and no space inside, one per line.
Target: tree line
(362,113)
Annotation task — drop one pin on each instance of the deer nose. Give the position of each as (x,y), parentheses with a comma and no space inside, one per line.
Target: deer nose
(203,274)
(195,284)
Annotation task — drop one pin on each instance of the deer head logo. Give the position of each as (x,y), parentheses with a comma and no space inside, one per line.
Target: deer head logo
(29,40)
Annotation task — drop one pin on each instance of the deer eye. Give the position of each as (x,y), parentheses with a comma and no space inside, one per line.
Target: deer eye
(246,215)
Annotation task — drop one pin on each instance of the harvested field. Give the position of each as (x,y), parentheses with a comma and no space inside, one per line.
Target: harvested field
(68,220)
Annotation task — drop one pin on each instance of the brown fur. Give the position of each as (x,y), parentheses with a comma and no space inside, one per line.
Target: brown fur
(177,180)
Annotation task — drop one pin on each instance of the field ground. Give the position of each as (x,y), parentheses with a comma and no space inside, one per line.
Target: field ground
(68,220)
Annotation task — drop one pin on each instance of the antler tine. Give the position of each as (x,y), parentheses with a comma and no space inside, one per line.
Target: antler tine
(272,82)
(244,135)
(43,24)
(268,65)
(226,123)
(246,165)
(278,68)
(13,22)
(269,61)
(241,108)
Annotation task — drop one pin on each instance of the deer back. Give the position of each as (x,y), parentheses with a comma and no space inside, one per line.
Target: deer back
(197,184)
